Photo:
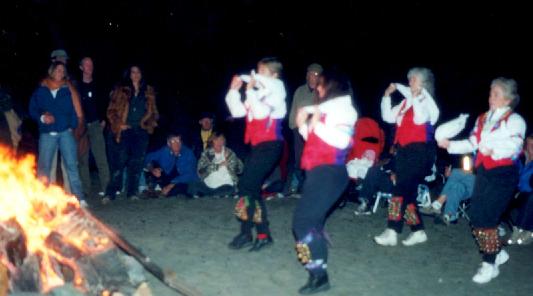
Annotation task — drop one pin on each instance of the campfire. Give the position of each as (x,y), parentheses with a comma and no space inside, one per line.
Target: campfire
(48,242)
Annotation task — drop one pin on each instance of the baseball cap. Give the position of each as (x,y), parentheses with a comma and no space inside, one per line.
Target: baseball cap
(58,53)
(315,68)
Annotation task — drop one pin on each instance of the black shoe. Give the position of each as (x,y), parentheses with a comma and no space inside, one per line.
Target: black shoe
(240,241)
(315,284)
(261,243)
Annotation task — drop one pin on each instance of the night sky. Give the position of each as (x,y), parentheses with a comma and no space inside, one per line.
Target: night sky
(190,49)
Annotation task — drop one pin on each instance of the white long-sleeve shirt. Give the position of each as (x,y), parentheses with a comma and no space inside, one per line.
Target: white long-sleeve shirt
(268,100)
(339,119)
(424,107)
(504,138)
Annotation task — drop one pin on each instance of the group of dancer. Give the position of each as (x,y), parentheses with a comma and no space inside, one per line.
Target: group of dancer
(327,126)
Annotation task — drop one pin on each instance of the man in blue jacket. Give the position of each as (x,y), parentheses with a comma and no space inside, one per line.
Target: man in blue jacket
(172,167)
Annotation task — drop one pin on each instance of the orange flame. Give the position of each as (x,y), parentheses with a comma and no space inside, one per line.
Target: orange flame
(41,209)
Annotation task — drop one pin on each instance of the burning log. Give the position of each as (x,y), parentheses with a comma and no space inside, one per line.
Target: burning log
(48,242)
(168,277)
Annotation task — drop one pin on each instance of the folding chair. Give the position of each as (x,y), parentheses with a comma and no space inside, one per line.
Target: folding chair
(379,196)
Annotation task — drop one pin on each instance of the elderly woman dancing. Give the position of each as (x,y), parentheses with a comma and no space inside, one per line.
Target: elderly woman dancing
(497,139)
(414,117)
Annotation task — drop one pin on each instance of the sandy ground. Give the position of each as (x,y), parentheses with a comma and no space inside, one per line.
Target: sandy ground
(190,237)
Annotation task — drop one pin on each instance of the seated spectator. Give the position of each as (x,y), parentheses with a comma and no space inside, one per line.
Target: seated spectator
(218,168)
(458,187)
(379,178)
(523,230)
(172,167)
(201,137)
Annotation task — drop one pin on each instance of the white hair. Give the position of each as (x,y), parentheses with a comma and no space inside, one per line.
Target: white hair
(428,80)
(509,88)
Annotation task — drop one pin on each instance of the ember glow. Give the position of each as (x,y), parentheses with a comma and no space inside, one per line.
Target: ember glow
(45,214)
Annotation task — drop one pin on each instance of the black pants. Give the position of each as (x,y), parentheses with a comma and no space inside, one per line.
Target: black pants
(294,170)
(411,164)
(322,187)
(165,179)
(376,179)
(129,154)
(493,191)
(200,188)
(260,162)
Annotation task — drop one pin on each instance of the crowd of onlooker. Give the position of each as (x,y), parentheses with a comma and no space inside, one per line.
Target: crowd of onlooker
(84,131)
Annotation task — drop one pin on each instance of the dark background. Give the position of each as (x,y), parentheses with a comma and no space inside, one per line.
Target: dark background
(190,49)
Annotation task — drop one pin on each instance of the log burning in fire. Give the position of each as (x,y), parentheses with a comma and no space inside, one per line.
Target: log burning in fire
(47,240)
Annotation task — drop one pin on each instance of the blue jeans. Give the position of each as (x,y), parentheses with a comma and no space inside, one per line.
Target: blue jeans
(458,187)
(67,145)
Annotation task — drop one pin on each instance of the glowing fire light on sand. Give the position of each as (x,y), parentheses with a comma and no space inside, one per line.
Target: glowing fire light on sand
(41,209)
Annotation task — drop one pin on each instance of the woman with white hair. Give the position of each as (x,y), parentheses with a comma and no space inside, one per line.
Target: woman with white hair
(497,139)
(414,118)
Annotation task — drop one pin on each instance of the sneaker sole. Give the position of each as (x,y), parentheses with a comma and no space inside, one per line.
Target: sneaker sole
(385,244)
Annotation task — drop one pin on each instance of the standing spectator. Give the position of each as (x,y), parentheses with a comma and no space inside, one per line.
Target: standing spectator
(59,55)
(9,121)
(497,139)
(92,101)
(414,118)
(327,128)
(303,96)
(132,115)
(264,110)
(218,169)
(52,106)
(172,167)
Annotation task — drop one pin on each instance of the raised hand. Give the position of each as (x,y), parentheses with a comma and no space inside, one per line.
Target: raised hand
(390,90)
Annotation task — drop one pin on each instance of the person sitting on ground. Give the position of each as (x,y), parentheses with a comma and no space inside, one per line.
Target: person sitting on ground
(458,187)
(201,137)
(523,230)
(172,167)
(218,168)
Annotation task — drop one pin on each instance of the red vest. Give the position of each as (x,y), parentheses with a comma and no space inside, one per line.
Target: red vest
(410,132)
(486,160)
(317,152)
(262,130)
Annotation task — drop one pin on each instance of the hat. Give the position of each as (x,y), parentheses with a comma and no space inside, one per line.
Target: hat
(207,115)
(58,53)
(314,67)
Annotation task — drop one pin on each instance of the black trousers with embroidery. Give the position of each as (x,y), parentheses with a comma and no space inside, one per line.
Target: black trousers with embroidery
(412,163)
(322,188)
(260,162)
(493,191)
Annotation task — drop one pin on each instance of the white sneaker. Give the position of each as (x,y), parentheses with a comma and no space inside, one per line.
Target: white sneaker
(414,238)
(485,273)
(389,237)
(101,193)
(502,257)
(84,204)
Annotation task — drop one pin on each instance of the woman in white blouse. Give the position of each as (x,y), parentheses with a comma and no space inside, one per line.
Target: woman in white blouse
(497,139)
